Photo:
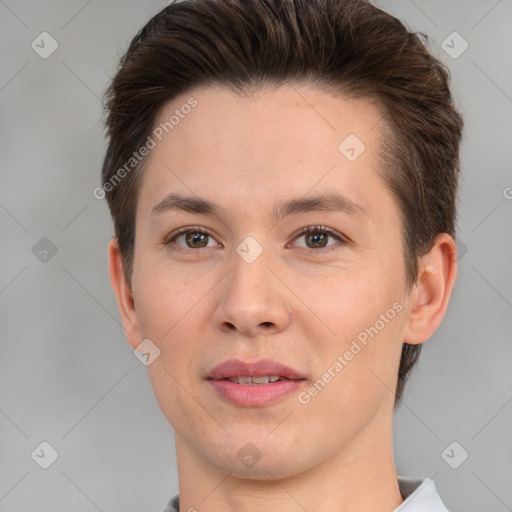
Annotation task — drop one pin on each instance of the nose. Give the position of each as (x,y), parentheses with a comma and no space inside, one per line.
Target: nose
(254,299)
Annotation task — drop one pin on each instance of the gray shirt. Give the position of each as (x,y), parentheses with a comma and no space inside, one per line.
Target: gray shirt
(420,495)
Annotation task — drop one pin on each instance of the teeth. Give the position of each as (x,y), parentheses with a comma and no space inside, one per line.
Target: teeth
(264,379)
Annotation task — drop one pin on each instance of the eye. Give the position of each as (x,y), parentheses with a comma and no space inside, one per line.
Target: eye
(195,237)
(318,236)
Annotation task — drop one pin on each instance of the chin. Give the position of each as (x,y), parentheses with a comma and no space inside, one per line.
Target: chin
(260,460)
(263,470)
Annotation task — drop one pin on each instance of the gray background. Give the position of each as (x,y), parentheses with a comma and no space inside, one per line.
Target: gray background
(67,374)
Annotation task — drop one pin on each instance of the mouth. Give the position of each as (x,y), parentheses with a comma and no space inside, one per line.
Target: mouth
(255,381)
(254,384)
(256,373)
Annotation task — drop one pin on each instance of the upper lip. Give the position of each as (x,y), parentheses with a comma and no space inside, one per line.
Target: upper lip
(237,368)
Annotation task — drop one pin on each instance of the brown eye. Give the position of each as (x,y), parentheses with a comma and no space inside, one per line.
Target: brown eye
(318,240)
(317,237)
(195,238)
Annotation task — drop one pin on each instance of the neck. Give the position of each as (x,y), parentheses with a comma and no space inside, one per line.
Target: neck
(360,477)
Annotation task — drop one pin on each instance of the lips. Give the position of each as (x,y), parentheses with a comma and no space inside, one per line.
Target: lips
(237,368)
(248,384)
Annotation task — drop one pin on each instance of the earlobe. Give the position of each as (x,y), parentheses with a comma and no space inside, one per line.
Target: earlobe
(123,294)
(431,294)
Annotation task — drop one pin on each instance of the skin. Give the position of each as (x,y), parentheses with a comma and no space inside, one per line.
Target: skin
(203,306)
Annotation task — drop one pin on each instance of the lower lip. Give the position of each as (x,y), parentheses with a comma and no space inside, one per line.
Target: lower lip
(256,394)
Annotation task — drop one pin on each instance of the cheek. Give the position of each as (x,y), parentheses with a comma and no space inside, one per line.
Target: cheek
(168,314)
(348,301)
(171,312)
(365,317)
(163,298)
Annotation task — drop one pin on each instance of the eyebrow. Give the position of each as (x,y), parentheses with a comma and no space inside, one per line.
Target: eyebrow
(333,202)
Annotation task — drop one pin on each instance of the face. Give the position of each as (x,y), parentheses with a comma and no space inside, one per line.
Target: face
(242,283)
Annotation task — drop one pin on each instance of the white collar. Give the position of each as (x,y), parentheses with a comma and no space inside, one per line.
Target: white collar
(420,495)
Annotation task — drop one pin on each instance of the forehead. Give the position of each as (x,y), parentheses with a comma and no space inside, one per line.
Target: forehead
(290,140)
(284,117)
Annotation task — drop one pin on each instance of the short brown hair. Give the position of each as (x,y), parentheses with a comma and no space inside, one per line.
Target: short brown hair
(345,46)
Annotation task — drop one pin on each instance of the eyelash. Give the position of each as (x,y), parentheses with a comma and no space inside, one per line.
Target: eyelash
(306,230)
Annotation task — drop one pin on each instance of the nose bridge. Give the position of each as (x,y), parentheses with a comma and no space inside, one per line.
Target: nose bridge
(251,295)
(250,278)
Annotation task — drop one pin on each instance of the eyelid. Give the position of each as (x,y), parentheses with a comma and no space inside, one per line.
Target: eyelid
(313,229)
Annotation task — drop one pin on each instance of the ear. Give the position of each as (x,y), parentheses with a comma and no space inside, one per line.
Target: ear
(123,294)
(431,293)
